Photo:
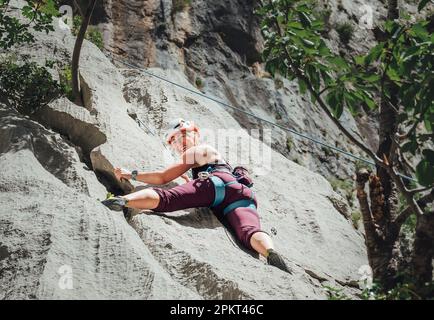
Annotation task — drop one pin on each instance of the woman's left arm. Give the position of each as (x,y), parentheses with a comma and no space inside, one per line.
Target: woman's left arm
(174,171)
(165,176)
(156,177)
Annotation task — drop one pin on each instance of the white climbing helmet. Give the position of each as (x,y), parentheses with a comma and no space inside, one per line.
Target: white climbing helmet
(179,125)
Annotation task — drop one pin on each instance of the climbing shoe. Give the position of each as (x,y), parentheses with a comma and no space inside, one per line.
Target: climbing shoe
(274,259)
(115,203)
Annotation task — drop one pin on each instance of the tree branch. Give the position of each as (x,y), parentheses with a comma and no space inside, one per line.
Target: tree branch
(78,7)
(414,127)
(299,74)
(372,232)
(323,90)
(389,61)
(422,202)
(76,53)
(418,190)
(411,202)
(403,216)
(35,10)
(405,162)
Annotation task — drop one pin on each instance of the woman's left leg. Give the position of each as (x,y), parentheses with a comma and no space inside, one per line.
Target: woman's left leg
(143,199)
(193,194)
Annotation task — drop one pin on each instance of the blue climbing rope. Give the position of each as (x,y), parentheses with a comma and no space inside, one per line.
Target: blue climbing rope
(314,140)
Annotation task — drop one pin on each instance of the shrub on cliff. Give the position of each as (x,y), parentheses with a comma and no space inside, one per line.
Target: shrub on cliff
(26,86)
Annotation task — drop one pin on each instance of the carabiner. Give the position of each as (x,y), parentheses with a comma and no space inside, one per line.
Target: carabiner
(203,175)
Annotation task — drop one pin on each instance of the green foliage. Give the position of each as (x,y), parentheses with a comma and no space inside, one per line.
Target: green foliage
(345,187)
(199,83)
(398,69)
(345,31)
(26,86)
(76,23)
(402,291)
(410,224)
(92,33)
(278,83)
(299,49)
(356,216)
(297,160)
(289,143)
(423,4)
(325,15)
(180,5)
(95,36)
(38,16)
(358,165)
(335,294)
(65,77)
(50,7)
(425,168)
(327,151)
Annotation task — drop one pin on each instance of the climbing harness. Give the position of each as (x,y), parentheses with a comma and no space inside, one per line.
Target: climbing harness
(220,192)
(203,175)
(314,140)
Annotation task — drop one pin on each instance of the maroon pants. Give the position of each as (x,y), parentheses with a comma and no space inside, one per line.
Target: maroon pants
(197,193)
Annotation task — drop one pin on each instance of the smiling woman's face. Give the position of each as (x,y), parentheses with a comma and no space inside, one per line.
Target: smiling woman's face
(184,141)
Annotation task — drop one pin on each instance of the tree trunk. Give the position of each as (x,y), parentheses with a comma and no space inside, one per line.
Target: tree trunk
(423,253)
(379,216)
(392,9)
(423,247)
(381,235)
(78,99)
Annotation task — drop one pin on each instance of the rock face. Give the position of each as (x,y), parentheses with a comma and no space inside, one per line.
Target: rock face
(58,241)
(218,45)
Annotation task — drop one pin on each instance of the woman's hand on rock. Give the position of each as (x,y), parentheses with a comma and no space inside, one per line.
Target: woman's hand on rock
(121,173)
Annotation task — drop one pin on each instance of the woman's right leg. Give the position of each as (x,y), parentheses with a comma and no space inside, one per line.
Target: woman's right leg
(247,226)
(261,242)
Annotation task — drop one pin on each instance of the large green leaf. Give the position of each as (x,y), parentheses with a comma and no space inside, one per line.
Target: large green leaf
(429,122)
(368,100)
(302,86)
(313,77)
(323,50)
(425,168)
(374,54)
(335,102)
(393,74)
(305,20)
(422,4)
(410,146)
(338,62)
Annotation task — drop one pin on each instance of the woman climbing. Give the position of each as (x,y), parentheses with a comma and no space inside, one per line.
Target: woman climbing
(214,185)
